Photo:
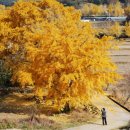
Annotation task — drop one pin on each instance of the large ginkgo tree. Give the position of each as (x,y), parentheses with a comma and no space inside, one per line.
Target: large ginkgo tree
(46,45)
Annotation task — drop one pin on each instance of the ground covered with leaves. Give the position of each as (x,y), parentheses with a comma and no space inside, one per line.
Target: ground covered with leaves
(18,111)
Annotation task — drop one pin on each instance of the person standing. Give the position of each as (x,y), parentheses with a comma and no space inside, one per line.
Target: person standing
(104,120)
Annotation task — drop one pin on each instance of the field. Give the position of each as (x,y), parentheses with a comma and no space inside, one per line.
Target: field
(17,111)
(122,59)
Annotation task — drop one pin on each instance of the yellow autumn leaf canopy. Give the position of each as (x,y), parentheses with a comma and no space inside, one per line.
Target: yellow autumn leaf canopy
(46,45)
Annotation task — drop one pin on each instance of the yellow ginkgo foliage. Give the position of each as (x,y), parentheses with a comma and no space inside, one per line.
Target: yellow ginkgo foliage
(127,29)
(116,10)
(92,9)
(115,30)
(46,45)
(127,11)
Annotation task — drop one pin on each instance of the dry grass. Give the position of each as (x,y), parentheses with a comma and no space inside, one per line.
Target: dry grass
(121,92)
(42,123)
(17,111)
(55,122)
(122,59)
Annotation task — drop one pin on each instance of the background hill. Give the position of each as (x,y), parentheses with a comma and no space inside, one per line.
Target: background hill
(78,2)
(7,2)
(74,2)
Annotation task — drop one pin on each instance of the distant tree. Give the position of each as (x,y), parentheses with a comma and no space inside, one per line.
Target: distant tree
(93,9)
(127,29)
(127,11)
(2,8)
(97,1)
(115,30)
(116,9)
(112,1)
(127,2)
(75,3)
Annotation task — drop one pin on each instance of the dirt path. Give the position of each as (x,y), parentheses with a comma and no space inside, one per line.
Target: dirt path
(116,116)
